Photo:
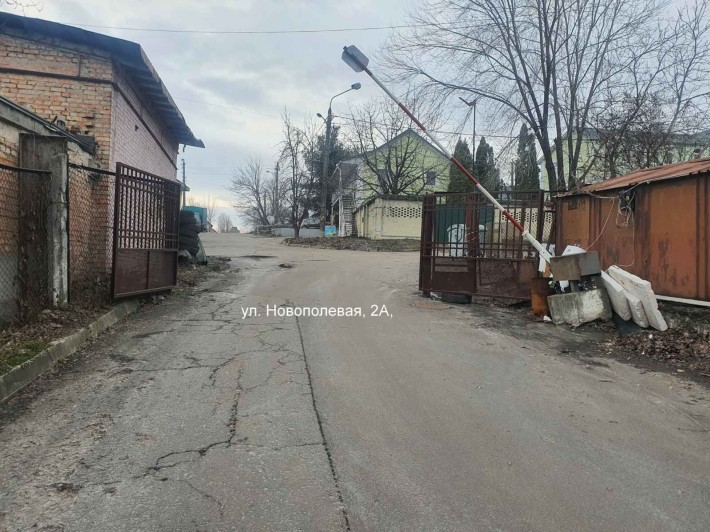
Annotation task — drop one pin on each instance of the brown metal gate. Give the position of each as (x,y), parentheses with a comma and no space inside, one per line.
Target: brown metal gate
(145,232)
(469,248)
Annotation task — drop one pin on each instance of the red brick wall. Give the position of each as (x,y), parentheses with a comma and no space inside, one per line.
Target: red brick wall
(105,106)
(86,106)
(134,127)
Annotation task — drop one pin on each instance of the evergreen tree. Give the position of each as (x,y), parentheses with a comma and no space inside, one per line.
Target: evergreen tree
(527,172)
(314,162)
(458,182)
(485,168)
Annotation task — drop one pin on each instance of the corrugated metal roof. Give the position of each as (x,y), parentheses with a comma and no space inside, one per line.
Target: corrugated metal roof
(644,175)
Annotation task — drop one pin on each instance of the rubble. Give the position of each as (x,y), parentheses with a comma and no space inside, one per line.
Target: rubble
(682,348)
(356,244)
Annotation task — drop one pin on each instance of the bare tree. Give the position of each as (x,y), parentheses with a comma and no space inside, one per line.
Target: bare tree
(298,146)
(210,205)
(396,157)
(22,5)
(251,186)
(224,223)
(656,121)
(551,63)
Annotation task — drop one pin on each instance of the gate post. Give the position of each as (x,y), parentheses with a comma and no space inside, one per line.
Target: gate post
(49,154)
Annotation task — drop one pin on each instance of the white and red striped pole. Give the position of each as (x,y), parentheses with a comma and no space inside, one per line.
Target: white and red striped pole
(358,62)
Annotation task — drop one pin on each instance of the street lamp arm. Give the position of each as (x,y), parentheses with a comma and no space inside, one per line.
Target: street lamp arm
(330,105)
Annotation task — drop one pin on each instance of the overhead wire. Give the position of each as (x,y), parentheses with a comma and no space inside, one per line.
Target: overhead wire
(255,32)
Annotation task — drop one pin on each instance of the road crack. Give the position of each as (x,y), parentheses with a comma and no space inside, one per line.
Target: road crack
(333,471)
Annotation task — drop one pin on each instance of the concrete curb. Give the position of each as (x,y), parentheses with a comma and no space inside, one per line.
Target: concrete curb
(19,377)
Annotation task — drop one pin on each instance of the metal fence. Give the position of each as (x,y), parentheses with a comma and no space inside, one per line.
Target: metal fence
(24,243)
(91,212)
(146,232)
(468,247)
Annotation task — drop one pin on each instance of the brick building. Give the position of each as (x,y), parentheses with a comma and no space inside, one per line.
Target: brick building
(73,104)
(96,85)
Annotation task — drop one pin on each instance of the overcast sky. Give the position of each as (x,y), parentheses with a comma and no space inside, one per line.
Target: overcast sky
(247,79)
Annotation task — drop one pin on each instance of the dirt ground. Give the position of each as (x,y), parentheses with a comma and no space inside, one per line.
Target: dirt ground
(681,349)
(21,342)
(355,244)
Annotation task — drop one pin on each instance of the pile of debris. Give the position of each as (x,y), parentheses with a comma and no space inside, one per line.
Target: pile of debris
(356,244)
(682,348)
(595,293)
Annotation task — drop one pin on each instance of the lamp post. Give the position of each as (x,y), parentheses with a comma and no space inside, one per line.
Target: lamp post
(326,153)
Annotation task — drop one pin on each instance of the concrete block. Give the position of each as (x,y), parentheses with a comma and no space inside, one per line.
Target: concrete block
(637,312)
(641,289)
(617,297)
(577,308)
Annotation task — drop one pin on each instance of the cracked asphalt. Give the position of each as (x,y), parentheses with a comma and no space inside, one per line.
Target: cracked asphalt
(191,416)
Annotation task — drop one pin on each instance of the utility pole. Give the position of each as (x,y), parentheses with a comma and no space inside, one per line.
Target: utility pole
(326,156)
(183,183)
(276,193)
(472,104)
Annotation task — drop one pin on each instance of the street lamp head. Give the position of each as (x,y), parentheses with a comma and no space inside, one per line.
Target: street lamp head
(355,86)
(354,58)
(319,115)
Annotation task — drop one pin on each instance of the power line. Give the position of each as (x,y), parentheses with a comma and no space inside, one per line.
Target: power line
(442,132)
(249,32)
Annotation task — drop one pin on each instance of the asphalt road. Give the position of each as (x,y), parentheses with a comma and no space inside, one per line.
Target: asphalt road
(201,414)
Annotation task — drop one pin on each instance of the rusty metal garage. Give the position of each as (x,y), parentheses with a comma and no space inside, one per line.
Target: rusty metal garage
(652,222)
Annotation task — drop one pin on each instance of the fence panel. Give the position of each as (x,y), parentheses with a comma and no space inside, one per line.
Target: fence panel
(9,245)
(24,243)
(91,213)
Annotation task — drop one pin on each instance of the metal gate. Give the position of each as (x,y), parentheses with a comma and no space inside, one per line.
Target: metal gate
(145,238)
(469,248)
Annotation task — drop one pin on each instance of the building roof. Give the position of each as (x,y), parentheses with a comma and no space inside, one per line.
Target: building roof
(129,54)
(28,120)
(408,131)
(647,175)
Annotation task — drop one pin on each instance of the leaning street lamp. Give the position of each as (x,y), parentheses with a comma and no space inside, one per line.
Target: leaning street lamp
(326,154)
(358,61)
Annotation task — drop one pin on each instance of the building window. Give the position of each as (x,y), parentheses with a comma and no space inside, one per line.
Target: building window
(430,178)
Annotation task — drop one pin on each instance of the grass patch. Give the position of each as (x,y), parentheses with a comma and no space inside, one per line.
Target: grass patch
(19,354)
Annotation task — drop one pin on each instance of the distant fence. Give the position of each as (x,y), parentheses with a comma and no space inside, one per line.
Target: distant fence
(288,232)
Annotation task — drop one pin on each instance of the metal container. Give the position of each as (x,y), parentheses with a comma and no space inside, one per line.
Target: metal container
(539,290)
